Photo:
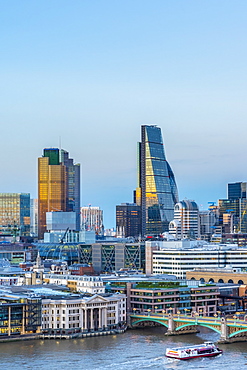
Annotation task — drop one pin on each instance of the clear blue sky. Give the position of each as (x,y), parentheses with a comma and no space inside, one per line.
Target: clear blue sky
(94,71)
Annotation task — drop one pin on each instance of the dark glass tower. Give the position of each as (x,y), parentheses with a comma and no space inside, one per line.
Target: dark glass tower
(73,185)
(128,220)
(237,190)
(157,190)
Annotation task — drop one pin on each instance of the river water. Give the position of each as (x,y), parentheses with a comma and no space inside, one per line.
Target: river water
(142,348)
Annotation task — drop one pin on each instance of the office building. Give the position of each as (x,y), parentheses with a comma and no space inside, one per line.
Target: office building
(59,221)
(156,192)
(208,223)
(236,190)
(20,314)
(173,297)
(104,257)
(177,258)
(73,185)
(92,219)
(128,220)
(58,186)
(233,211)
(15,214)
(34,217)
(186,220)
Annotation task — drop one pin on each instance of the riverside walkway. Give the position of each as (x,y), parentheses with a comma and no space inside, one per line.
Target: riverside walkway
(230,329)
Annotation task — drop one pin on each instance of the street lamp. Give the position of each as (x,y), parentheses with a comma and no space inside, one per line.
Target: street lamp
(155,307)
(163,311)
(149,312)
(134,309)
(169,310)
(196,316)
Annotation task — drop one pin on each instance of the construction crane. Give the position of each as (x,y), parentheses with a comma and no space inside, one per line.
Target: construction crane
(241,217)
(64,235)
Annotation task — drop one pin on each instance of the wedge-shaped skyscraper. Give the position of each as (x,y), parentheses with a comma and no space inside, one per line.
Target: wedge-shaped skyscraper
(157,190)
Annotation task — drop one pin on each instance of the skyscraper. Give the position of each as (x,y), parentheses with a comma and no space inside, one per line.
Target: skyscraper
(186,223)
(237,190)
(73,185)
(233,211)
(15,213)
(157,190)
(92,219)
(128,220)
(58,186)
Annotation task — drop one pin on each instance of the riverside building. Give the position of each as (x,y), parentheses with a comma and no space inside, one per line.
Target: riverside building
(20,314)
(74,314)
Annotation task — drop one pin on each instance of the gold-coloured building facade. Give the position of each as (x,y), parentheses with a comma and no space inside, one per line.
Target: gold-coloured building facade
(58,186)
(156,192)
(51,190)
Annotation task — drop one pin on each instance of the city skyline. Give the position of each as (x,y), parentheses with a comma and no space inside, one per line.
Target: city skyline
(88,75)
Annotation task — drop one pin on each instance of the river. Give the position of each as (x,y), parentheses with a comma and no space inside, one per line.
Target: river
(141,348)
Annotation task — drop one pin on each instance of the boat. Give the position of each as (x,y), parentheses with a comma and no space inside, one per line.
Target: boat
(207,349)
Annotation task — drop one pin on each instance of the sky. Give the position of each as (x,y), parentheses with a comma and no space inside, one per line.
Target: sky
(89,73)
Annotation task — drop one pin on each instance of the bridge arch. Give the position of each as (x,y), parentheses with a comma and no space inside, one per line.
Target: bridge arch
(230,281)
(150,319)
(220,281)
(237,332)
(240,282)
(211,280)
(199,324)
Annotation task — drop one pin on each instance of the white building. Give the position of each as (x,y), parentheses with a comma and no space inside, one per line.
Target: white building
(92,219)
(186,220)
(75,314)
(85,284)
(177,261)
(34,217)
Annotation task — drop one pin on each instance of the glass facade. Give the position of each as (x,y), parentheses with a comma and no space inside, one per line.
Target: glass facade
(157,191)
(237,190)
(19,315)
(15,213)
(128,220)
(236,210)
(73,185)
(58,186)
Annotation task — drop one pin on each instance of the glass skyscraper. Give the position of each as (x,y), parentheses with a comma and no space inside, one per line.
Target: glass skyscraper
(58,186)
(157,190)
(15,213)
